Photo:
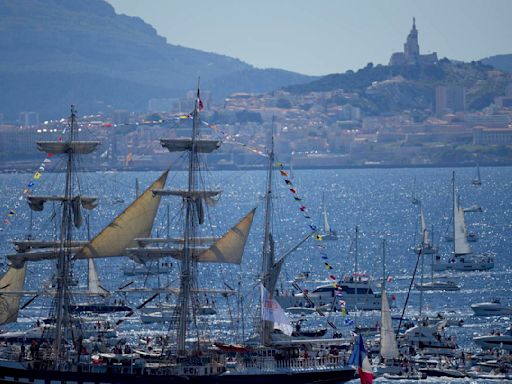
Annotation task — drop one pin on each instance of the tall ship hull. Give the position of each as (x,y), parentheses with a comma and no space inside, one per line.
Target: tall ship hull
(114,375)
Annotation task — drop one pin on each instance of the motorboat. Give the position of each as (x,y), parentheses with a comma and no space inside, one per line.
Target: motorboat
(491,308)
(355,291)
(437,285)
(496,340)
(429,339)
(442,372)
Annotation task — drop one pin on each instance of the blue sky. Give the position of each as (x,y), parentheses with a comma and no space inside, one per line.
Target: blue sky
(318,37)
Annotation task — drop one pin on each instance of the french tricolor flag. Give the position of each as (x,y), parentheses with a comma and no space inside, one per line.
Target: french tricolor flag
(359,359)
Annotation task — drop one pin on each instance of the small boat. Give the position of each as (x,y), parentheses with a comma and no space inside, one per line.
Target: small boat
(442,372)
(405,376)
(490,376)
(437,285)
(491,308)
(414,199)
(329,233)
(473,208)
(477,181)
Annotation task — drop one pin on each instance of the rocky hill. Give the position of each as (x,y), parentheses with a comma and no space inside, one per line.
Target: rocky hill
(57,52)
(386,89)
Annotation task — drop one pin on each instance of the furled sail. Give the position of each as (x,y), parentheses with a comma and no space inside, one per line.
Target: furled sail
(18,259)
(94,284)
(459,227)
(26,245)
(135,221)
(230,247)
(185,144)
(11,281)
(388,345)
(61,147)
(36,203)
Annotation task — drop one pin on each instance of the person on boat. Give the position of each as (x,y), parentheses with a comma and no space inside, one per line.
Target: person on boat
(22,352)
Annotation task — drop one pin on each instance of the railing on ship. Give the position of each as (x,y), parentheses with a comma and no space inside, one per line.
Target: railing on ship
(269,363)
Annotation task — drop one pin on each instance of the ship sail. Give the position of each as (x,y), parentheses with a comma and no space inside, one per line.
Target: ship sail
(230,247)
(11,281)
(461,245)
(327,227)
(94,284)
(135,221)
(388,345)
(424,230)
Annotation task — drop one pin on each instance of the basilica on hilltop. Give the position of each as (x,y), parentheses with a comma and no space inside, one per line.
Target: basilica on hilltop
(411,54)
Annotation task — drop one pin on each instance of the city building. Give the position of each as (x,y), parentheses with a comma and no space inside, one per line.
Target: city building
(450,98)
(492,136)
(29,119)
(411,54)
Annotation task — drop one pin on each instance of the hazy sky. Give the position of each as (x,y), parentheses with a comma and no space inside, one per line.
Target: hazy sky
(318,37)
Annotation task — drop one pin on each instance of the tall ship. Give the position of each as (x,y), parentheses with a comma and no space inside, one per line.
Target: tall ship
(187,353)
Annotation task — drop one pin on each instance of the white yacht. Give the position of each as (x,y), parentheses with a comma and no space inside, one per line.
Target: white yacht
(356,291)
(491,308)
(496,340)
(428,339)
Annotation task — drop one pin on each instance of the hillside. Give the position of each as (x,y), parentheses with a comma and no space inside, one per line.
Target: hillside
(81,51)
(501,62)
(386,89)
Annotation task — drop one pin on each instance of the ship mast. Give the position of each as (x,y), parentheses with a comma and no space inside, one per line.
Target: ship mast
(188,235)
(62,297)
(268,245)
(70,216)
(455,206)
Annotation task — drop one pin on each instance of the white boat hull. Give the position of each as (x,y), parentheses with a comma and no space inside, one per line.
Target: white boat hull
(491,309)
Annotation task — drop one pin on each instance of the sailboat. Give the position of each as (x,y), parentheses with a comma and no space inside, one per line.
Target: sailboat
(187,358)
(329,233)
(414,198)
(426,248)
(477,181)
(463,258)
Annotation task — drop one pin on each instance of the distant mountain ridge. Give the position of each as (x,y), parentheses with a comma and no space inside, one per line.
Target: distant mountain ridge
(81,51)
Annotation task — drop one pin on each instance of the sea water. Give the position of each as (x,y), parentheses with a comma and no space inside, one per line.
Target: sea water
(377,201)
